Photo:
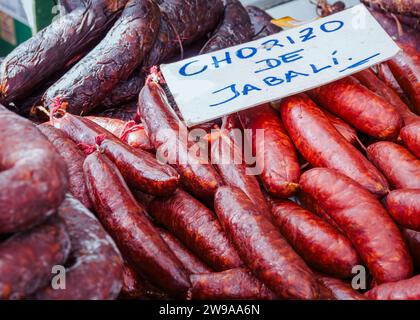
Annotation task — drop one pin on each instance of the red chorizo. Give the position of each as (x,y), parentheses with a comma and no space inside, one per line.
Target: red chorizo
(191,263)
(385,74)
(197,227)
(316,241)
(33,177)
(406,68)
(413,241)
(323,146)
(127,223)
(129,132)
(169,137)
(400,166)
(363,220)
(73,157)
(371,81)
(345,129)
(94,271)
(408,289)
(360,107)
(276,157)
(139,168)
(234,284)
(404,207)
(410,135)
(27,259)
(262,248)
(339,290)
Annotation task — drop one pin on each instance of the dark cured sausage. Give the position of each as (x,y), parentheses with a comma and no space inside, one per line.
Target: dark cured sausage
(261,22)
(27,259)
(169,137)
(234,284)
(404,207)
(371,81)
(139,168)
(323,146)
(360,107)
(95,272)
(379,242)
(413,241)
(404,7)
(182,23)
(73,158)
(406,69)
(408,289)
(234,29)
(276,157)
(129,132)
(33,177)
(191,263)
(124,92)
(129,226)
(317,242)
(198,229)
(339,290)
(401,168)
(266,253)
(125,112)
(410,135)
(113,59)
(56,47)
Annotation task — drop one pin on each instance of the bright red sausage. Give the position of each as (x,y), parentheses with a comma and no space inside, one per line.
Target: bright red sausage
(410,135)
(340,290)
(127,223)
(408,289)
(404,207)
(360,107)
(316,241)
(276,157)
(323,146)
(262,248)
(413,241)
(400,166)
(363,220)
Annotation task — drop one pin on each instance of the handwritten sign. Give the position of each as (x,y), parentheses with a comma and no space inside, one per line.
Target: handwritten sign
(212,85)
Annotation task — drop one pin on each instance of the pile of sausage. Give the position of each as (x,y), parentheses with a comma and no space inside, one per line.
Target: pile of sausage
(338,188)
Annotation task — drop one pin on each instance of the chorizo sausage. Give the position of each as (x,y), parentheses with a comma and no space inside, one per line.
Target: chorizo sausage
(234,29)
(127,223)
(410,135)
(406,69)
(124,92)
(27,258)
(408,289)
(385,74)
(55,47)
(371,81)
(197,227)
(276,157)
(397,164)
(345,129)
(316,241)
(191,263)
(121,51)
(73,158)
(360,107)
(404,207)
(125,112)
(169,136)
(262,248)
(261,22)
(33,177)
(323,146)
(234,284)
(340,290)
(139,167)
(129,132)
(95,271)
(378,242)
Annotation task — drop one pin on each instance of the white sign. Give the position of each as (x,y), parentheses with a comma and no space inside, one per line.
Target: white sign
(212,85)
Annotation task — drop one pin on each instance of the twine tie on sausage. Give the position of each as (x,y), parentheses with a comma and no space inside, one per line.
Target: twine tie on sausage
(130,127)
(89,149)
(59,107)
